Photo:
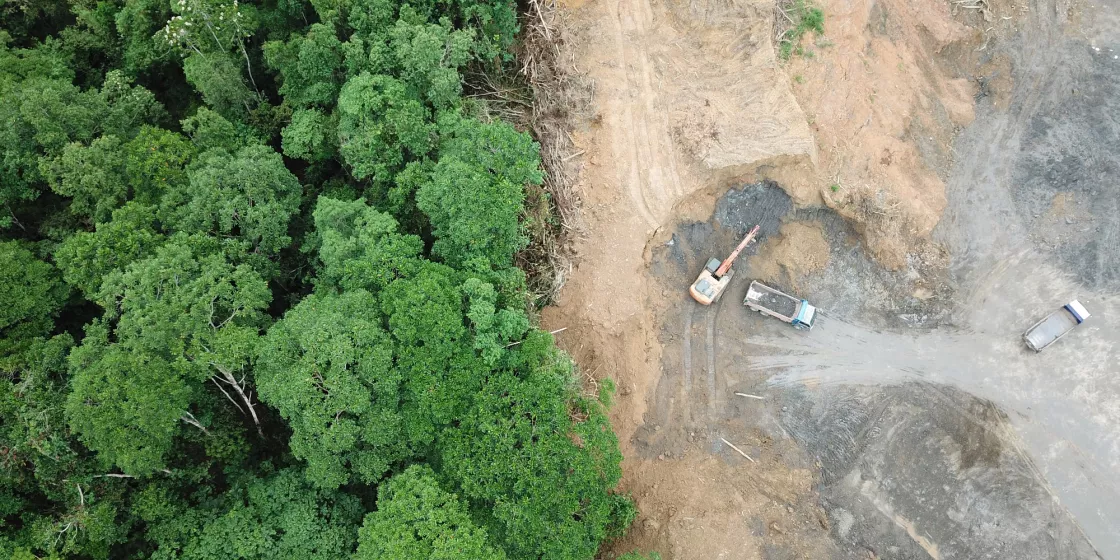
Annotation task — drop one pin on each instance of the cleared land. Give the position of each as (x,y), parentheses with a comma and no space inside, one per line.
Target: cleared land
(935,178)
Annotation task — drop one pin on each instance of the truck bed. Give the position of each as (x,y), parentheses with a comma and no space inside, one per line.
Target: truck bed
(777,303)
(1046,331)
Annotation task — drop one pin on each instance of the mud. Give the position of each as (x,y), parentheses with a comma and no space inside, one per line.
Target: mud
(921,424)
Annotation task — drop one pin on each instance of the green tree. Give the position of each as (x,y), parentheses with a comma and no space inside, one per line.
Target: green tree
(381,125)
(528,467)
(310,136)
(31,295)
(155,161)
(39,452)
(280,516)
(137,22)
(180,318)
(475,195)
(217,77)
(212,34)
(494,328)
(92,176)
(209,130)
(250,194)
(418,520)
(310,66)
(125,405)
(327,367)
(359,247)
(434,351)
(429,57)
(86,257)
(38,116)
(127,107)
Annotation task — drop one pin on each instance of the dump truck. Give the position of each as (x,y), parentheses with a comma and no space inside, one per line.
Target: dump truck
(1055,326)
(780,305)
(716,275)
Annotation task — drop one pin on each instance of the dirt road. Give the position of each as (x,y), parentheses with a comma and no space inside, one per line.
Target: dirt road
(958,184)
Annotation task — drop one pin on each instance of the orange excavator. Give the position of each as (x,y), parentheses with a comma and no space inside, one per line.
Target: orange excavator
(709,286)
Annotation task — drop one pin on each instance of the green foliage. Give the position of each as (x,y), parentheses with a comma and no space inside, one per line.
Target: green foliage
(86,257)
(635,555)
(429,57)
(310,66)
(31,294)
(188,303)
(360,247)
(327,367)
(125,405)
(164,266)
(494,328)
(137,23)
(181,317)
(476,192)
(380,125)
(805,18)
(155,161)
(519,455)
(280,516)
(92,176)
(310,136)
(417,520)
(209,130)
(217,77)
(39,451)
(249,194)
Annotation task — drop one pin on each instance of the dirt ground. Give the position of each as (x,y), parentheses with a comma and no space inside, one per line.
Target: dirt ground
(910,174)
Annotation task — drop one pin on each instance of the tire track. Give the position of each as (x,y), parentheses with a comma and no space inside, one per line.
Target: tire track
(710,350)
(686,363)
(652,177)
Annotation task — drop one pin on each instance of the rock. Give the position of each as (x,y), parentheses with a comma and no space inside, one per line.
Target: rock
(650,525)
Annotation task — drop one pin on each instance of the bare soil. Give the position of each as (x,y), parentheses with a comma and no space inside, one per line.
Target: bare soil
(874,169)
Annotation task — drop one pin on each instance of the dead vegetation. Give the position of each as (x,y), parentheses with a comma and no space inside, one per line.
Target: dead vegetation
(560,94)
(543,95)
(792,20)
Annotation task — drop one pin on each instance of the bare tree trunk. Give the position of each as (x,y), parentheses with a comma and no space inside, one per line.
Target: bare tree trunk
(230,380)
(190,419)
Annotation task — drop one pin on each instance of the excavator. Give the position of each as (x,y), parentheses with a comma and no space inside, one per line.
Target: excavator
(716,275)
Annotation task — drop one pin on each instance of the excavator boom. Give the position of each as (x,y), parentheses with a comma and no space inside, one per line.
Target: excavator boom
(723,268)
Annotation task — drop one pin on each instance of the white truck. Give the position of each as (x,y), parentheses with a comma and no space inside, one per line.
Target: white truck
(1055,326)
(780,305)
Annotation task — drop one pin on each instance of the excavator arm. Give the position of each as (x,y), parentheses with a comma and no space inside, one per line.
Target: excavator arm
(723,268)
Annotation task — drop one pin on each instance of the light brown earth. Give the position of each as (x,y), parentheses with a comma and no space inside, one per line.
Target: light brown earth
(690,99)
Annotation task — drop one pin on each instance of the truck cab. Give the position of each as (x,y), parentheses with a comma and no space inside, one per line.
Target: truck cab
(806,313)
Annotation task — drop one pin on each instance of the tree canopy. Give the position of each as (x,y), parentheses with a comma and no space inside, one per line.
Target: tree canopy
(258,294)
